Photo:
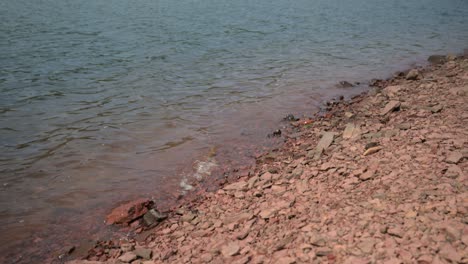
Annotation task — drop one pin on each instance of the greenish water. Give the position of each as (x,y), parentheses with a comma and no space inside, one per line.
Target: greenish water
(105,100)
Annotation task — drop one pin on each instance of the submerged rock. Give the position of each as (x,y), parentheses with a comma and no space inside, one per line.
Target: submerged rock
(437,59)
(345,84)
(290,117)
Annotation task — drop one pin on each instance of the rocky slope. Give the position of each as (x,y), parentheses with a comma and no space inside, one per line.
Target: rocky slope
(381,178)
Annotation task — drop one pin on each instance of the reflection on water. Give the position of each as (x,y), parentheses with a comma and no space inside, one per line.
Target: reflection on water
(104,101)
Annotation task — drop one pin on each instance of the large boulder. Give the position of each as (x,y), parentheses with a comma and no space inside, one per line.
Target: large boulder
(128,212)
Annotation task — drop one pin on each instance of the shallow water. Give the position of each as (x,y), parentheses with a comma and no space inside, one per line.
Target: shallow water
(103,101)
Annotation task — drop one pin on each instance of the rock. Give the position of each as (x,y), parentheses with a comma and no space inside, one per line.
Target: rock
(436,109)
(404,126)
(153,216)
(290,117)
(325,141)
(371,145)
(367,175)
(237,186)
(344,84)
(285,260)
(372,150)
(323,251)
(126,213)
(413,75)
(395,231)
(454,157)
(277,133)
(392,91)
(143,253)
(390,107)
(126,247)
(450,253)
(351,131)
(366,246)
(451,57)
(317,240)
(267,213)
(128,257)
(230,249)
(348,115)
(437,59)
(297,172)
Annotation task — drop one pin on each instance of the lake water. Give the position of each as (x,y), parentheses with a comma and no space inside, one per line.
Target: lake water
(103,101)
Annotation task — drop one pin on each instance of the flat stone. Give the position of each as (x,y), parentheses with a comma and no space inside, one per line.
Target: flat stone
(450,253)
(366,246)
(436,109)
(128,212)
(372,150)
(323,251)
(143,253)
(297,172)
(395,231)
(230,249)
(325,141)
(351,131)
(128,257)
(454,157)
(367,175)
(237,186)
(390,107)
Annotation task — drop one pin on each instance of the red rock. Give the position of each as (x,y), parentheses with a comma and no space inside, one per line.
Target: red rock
(126,213)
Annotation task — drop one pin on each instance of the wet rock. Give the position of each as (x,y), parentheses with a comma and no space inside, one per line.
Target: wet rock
(153,216)
(390,107)
(126,213)
(143,253)
(230,249)
(276,133)
(412,75)
(128,257)
(290,118)
(454,157)
(344,84)
(437,59)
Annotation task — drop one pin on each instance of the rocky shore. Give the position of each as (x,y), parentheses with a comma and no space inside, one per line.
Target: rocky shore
(381,178)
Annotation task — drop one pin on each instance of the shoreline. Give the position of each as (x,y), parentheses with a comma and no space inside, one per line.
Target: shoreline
(334,114)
